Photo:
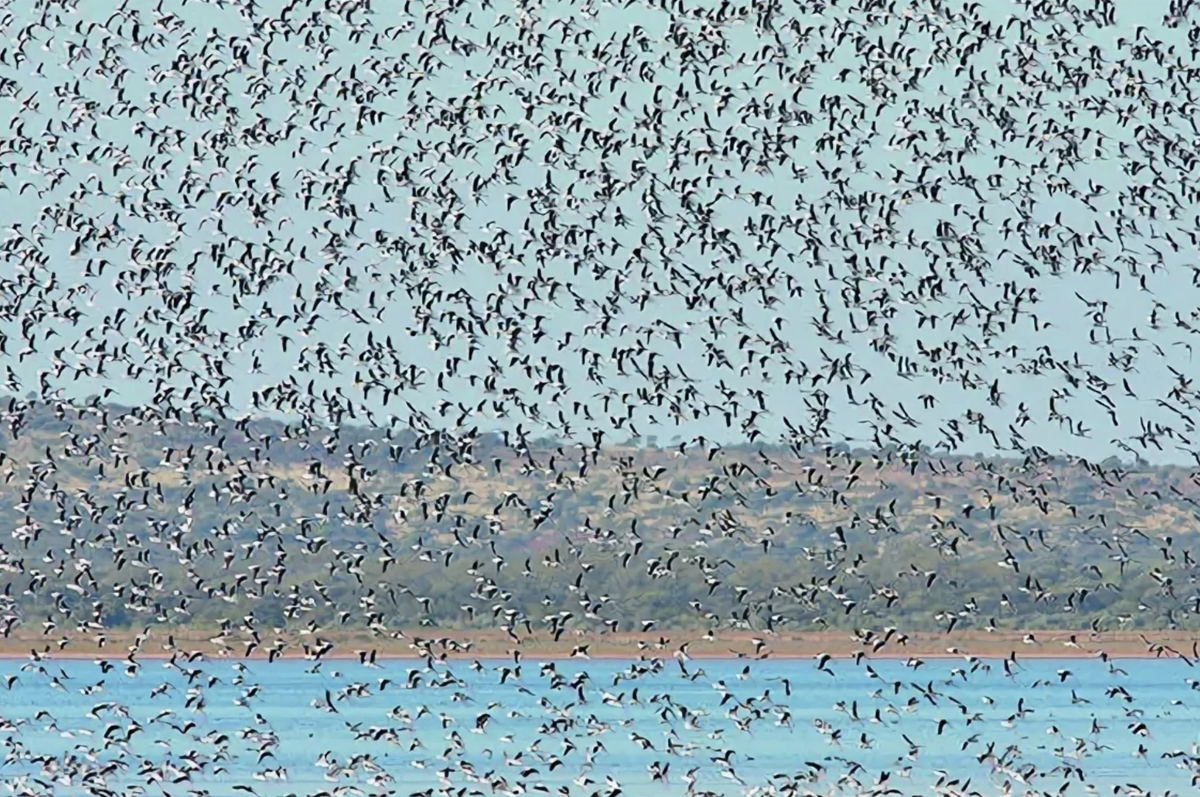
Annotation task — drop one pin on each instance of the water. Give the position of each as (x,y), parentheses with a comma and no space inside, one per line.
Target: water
(539,721)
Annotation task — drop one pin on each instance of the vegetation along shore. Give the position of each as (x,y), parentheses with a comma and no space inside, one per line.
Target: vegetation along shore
(162,643)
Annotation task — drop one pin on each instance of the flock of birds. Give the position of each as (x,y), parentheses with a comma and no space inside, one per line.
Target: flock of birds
(922,228)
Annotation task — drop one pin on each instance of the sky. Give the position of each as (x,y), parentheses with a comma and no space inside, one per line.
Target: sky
(1066,304)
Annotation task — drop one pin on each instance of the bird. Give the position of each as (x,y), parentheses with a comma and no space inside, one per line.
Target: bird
(460,339)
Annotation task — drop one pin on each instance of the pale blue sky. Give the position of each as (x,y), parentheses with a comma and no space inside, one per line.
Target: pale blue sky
(1070,322)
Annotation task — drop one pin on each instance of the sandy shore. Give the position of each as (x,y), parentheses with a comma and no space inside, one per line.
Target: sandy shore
(162,643)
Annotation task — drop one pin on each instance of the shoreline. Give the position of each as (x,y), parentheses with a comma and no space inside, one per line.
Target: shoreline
(459,645)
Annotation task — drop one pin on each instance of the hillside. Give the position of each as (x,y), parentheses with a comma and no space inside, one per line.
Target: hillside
(120,518)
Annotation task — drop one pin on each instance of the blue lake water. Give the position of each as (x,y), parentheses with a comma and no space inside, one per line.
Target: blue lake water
(544,731)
